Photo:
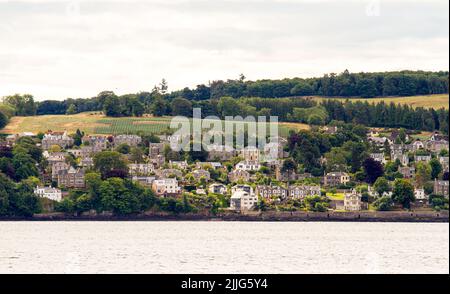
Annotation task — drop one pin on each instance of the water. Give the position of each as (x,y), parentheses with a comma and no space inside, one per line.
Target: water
(223,247)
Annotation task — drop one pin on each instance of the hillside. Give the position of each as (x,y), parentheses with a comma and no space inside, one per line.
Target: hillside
(94,123)
(430,101)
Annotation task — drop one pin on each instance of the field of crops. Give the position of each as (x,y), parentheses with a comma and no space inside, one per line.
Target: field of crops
(429,101)
(93,123)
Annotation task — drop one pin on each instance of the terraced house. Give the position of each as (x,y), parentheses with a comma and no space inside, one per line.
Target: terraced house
(130,140)
(141,169)
(60,139)
(71,178)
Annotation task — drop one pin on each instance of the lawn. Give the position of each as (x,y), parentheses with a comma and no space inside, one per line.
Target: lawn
(95,123)
(336,197)
(429,101)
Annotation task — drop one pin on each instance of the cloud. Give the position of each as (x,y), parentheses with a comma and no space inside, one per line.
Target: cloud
(59,49)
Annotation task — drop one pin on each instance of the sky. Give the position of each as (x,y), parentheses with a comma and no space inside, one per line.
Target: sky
(60,49)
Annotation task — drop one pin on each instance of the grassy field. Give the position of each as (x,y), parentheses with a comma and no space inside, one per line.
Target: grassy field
(93,123)
(430,101)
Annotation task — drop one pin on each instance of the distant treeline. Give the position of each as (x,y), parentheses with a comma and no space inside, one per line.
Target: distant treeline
(285,98)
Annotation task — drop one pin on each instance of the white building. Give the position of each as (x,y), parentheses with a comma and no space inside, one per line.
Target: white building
(183,165)
(420,194)
(141,169)
(352,201)
(243,201)
(49,193)
(218,189)
(248,166)
(166,187)
(379,157)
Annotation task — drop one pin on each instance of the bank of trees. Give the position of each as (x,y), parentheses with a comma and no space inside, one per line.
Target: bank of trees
(221,98)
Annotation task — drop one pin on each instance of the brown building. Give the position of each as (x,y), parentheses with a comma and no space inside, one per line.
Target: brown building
(71,178)
(407,172)
(239,175)
(441,188)
(334,179)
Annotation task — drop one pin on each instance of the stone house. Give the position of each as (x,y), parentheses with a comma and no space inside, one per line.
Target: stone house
(156,149)
(407,172)
(57,167)
(130,140)
(444,160)
(422,158)
(335,179)
(270,192)
(220,153)
(97,143)
(183,165)
(71,178)
(141,169)
(250,153)
(300,192)
(239,175)
(437,146)
(168,173)
(60,139)
(87,162)
(56,157)
(441,188)
(201,173)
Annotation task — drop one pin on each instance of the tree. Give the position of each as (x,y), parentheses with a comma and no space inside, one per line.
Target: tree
(403,193)
(77,137)
(374,169)
(123,197)
(108,161)
(112,106)
(72,109)
(423,173)
(181,107)
(383,204)
(382,186)
(436,168)
(123,148)
(302,89)
(24,105)
(24,166)
(159,107)
(289,166)
(3,120)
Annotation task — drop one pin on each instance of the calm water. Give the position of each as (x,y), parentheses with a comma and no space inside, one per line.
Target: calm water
(222,247)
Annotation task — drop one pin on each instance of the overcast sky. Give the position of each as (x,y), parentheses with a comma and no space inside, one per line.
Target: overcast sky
(59,49)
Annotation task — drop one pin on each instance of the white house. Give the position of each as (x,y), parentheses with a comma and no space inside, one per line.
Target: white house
(379,157)
(248,166)
(420,194)
(243,201)
(166,187)
(49,193)
(218,189)
(183,165)
(352,201)
(141,169)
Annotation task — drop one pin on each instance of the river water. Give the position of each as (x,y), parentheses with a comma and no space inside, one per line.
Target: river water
(223,247)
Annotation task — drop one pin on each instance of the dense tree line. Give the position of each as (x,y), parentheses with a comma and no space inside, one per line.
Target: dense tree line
(222,98)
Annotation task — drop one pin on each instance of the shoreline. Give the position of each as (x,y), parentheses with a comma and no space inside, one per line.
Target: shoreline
(361,217)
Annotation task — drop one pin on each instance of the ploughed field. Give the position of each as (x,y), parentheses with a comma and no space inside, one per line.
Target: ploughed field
(95,123)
